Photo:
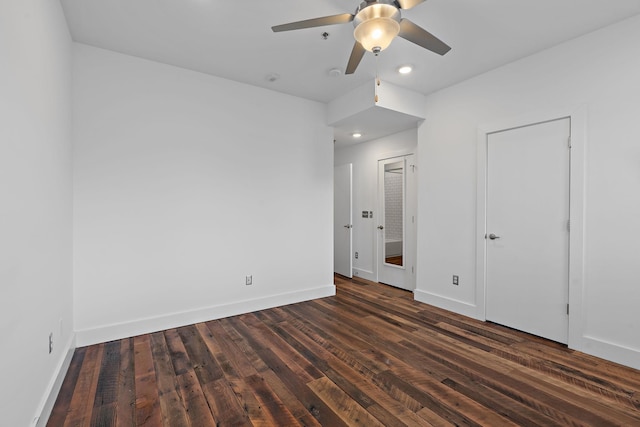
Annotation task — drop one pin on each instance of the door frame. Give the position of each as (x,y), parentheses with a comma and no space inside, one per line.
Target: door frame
(348,167)
(513,299)
(410,218)
(578,119)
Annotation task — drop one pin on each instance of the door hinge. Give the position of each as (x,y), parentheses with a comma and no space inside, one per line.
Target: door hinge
(567,309)
(569,141)
(568,225)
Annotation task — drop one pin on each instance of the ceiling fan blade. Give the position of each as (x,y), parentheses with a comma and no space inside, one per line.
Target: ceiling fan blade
(408,4)
(315,22)
(421,37)
(356,56)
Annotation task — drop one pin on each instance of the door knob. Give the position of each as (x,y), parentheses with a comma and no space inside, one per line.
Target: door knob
(380,227)
(348,226)
(493,236)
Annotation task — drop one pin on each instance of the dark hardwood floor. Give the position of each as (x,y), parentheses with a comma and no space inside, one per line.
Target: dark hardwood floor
(369,356)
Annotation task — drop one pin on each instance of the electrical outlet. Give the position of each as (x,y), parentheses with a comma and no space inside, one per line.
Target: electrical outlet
(249,280)
(50,342)
(455,280)
(356,255)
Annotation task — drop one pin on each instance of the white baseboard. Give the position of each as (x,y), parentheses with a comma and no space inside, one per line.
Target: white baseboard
(51,393)
(365,274)
(610,351)
(587,344)
(173,320)
(460,307)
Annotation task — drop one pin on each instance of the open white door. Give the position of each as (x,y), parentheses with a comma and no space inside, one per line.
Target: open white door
(342,219)
(396,222)
(527,270)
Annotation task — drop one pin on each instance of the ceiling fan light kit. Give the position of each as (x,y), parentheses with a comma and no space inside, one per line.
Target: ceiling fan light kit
(377,23)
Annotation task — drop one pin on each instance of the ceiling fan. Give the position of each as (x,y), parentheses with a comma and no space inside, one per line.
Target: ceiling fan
(377,23)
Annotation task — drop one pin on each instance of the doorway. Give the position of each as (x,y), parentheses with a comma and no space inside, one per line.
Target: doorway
(342,219)
(527,228)
(396,222)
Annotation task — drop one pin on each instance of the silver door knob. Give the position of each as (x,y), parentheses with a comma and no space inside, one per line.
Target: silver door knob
(348,226)
(493,236)
(380,227)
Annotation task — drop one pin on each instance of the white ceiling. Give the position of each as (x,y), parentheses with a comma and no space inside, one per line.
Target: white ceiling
(233,39)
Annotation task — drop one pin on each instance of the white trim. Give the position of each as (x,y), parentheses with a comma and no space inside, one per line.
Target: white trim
(53,388)
(159,323)
(364,274)
(611,351)
(578,118)
(395,154)
(446,303)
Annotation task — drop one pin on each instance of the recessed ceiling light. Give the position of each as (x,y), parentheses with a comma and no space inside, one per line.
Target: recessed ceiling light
(405,69)
(356,134)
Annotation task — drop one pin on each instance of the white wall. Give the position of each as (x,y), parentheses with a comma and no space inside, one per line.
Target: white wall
(599,71)
(184,184)
(35,206)
(365,158)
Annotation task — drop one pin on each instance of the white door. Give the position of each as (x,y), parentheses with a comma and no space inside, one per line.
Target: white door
(342,219)
(527,229)
(396,222)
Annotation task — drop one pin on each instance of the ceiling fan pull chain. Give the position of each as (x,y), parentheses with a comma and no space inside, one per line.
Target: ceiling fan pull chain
(375,98)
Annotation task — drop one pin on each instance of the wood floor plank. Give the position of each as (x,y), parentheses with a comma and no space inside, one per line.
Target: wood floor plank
(148,411)
(297,360)
(347,373)
(105,402)
(179,357)
(250,403)
(346,337)
(232,359)
(196,405)
(215,348)
(614,383)
(171,404)
(294,405)
(324,347)
(81,405)
(246,347)
(440,376)
(506,380)
(348,409)
(226,406)
(63,401)
(125,412)
(275,412)
(323,413)
(370,355)
(201,359)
